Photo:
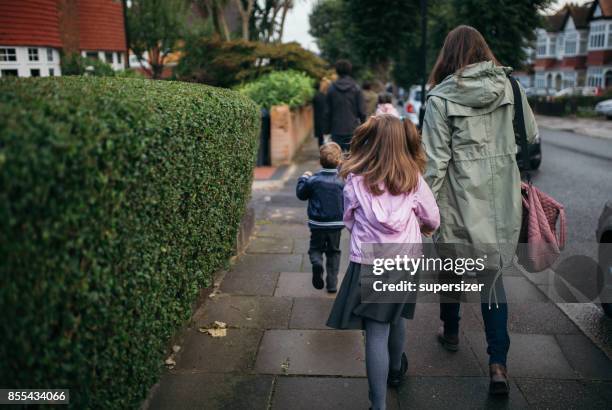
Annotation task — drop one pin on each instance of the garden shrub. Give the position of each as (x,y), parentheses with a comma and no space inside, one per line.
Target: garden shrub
(119,198)
(74,64)
(281,87)
(568,105)
(230,63)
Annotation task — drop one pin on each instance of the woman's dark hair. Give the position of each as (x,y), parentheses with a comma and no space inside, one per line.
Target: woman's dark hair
(385,98)
(463,46)
(343,67)
(366,85)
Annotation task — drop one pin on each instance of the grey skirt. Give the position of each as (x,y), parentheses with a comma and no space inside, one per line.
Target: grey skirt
(348,311)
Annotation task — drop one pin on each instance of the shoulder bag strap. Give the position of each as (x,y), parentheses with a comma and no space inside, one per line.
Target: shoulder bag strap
(519,124)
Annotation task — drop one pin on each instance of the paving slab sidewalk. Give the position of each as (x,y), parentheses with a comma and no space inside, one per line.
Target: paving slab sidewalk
(278,354)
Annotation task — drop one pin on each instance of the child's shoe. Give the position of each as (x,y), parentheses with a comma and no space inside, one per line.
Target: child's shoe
(317,277)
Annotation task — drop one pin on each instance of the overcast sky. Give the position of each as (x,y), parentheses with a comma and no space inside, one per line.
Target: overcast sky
(296,26)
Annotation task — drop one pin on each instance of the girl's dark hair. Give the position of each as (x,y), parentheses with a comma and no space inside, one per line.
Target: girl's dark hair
(385,98)
(463,46)
(388,153)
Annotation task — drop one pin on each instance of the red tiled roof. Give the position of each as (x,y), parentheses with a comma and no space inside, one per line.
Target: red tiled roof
(606,7)
(580,15)
(101,25)
(29,23)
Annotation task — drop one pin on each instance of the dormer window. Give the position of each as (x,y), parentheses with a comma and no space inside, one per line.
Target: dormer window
(541,46)
(571,43)
(597,36)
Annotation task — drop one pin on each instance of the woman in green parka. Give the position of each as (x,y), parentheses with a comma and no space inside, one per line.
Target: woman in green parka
(471,168)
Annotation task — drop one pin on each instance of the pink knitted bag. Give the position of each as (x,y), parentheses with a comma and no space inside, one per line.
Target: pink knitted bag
(539,244)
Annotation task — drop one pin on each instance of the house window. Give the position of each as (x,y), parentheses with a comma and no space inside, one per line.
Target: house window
(540,80)
(108,57)
(92,54)
(569,79)
(8,54)
(560,44)
(8,73)
(553,49)
(32,54)
(541,47)
(609,35)
(120,58)
(35,72)
(51,72)
(597,36)
(570,44)
(49,54)
(595,77)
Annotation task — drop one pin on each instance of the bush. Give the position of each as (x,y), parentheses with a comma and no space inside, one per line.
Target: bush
(74,64)
(229,63)
(281,87)
(118,200)
(570,105)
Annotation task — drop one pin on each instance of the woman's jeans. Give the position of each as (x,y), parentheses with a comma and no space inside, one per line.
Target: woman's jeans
(384,348)
(494,313)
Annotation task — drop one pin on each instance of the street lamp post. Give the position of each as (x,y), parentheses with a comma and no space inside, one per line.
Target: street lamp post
(423,59)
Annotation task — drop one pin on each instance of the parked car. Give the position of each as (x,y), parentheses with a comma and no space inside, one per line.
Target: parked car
(604,237)
(570,91)
(412,106)
(604,108)
(535,155)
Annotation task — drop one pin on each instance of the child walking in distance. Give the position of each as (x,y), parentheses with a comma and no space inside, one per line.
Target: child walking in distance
(323,191)
(385,105)
(386,201)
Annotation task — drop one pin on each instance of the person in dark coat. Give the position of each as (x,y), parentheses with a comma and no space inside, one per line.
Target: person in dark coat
(319,103)
(345,106)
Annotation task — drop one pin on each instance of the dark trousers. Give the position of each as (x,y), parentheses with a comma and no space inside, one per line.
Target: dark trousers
(326,241)
(494,313)
(320,139)
(343,140)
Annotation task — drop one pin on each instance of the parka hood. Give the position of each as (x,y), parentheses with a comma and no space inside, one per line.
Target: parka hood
(345,83)
(480,85)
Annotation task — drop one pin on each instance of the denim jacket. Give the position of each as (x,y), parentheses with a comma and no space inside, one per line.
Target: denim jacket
(323,191)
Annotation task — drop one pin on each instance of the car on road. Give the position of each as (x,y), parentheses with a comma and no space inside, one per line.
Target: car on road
(604,108)
(535,155)
(571,91)
(604,237)
(412,105)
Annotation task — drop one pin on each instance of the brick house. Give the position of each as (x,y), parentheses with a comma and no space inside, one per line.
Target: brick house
(35,33)
(574,48)
(599,59)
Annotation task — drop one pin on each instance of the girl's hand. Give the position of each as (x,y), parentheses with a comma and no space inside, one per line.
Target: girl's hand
(426,231)
(307,174)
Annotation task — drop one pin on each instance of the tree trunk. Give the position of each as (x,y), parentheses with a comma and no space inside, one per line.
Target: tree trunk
(245,15)
(287,4)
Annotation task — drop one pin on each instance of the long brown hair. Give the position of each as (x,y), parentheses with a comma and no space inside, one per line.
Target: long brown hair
(388,153)
(463,46)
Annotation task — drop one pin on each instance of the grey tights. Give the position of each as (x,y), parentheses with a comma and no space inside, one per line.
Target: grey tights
(384,347)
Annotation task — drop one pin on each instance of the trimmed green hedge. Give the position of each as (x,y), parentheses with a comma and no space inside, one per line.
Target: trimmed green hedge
(570,105)
(118,200)
(280,87)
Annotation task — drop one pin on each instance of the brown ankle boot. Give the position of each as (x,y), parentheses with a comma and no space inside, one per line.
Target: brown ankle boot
(499,380)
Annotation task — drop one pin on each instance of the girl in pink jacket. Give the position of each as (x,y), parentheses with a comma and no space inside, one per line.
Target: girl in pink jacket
(386,201)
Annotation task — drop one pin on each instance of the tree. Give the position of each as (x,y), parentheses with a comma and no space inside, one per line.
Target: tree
(329,27)
(507,25)
(245,8)
(155,28)
(379,29)
(267,19)
(215,9)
